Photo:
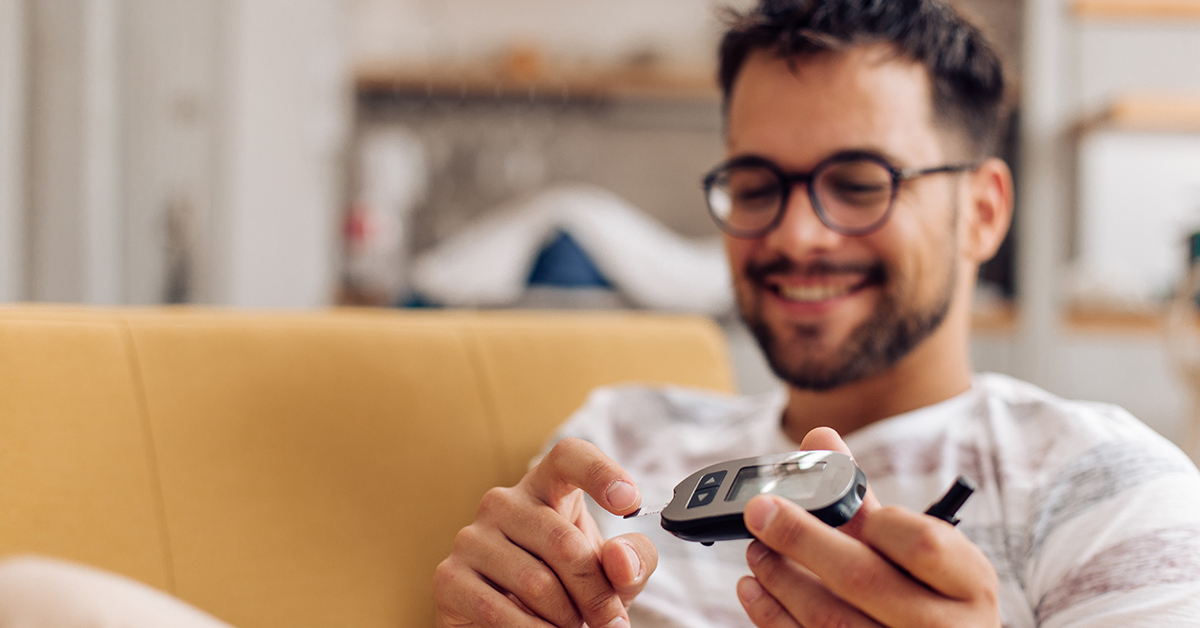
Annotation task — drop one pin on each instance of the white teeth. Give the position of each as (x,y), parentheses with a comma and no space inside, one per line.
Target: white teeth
(811,294)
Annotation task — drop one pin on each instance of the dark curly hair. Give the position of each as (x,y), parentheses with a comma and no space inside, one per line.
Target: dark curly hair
(965,70)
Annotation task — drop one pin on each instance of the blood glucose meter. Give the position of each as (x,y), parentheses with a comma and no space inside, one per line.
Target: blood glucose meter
(707,505)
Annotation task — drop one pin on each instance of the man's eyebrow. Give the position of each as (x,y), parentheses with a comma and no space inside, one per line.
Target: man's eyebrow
(874,151)
(877,151)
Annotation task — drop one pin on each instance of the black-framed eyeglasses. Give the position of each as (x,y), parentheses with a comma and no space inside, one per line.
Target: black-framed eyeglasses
(852,192)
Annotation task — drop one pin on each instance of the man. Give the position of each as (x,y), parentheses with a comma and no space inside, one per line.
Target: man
(858,201)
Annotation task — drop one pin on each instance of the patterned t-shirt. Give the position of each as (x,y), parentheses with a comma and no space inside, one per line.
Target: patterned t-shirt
(1089,517)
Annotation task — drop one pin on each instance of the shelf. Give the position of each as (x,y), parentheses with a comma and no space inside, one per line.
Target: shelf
(1088,320)
(994,319)
(1147,112)
(529,78)
(1078,320)
(1137,9)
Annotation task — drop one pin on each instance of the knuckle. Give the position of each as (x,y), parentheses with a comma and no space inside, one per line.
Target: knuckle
(567,546)
(989,596)
(768,571)
(466,539)
(597,473)
(861,577)
(445,578)
(488,611)
(537,584)
(786,531)
(495,499)
(928,541)
(595,604)
(570,452)
(563,450)
(447,596)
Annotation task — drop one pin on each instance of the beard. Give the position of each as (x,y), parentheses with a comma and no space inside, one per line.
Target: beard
(894,328)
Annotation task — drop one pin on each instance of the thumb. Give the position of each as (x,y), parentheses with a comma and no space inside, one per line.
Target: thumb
(824,438)
(628,561)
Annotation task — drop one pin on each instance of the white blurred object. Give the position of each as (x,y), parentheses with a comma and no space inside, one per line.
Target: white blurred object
(1138,198)
(393,180)
(1118,289)
(489,263)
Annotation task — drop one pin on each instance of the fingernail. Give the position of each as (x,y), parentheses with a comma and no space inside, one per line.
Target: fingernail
(618,622)
(755,553)
(633,560)
(621,495)
(759,513)
(749,590)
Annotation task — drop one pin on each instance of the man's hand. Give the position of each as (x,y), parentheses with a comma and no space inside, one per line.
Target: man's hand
(809,574)
(534,557)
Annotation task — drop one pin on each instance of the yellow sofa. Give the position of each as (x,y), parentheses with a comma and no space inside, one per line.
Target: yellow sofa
(304,469)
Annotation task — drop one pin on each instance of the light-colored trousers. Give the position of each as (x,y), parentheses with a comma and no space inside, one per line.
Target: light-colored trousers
(47,593)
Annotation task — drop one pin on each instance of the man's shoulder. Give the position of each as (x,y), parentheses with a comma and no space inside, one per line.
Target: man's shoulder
(1067,445)
(1004,402)
(1026,437)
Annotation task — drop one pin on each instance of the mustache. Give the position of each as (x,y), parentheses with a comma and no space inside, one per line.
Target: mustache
(876,272)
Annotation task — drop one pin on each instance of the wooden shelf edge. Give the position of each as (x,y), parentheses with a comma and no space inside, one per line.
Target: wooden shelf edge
(483,80)
(994,319)
(1080,319)
(1137,9)
(1077,320)
(1148,112)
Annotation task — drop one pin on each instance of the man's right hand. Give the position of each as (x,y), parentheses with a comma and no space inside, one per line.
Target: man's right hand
(534,556)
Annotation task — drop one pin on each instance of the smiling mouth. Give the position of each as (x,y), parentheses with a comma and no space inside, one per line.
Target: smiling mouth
(814,294)
(826,286)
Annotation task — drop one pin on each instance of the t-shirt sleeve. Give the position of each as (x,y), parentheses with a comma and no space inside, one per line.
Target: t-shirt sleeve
(1115,539)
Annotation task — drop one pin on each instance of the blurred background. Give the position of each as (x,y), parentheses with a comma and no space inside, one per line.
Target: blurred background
(307,153)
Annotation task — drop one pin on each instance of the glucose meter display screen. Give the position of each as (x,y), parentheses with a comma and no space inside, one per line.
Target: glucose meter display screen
(790,481)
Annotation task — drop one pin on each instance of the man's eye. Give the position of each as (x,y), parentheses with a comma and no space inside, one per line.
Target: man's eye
(858,192)
(756,196)
(859,187)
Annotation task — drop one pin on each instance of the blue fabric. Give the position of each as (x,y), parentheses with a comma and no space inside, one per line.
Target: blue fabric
(564,263)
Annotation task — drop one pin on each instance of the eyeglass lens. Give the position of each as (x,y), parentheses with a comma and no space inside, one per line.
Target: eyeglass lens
(850,196)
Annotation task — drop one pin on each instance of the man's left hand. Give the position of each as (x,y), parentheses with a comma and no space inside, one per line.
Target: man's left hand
(809,574)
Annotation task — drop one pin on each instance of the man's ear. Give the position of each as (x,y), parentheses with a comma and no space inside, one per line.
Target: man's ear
(988,210)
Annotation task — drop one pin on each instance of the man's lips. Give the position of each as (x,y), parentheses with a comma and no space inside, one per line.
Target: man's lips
(814,293)
(817,283)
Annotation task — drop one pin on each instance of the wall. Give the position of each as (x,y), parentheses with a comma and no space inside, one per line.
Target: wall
(13,138)
(1074,66)
(168,150)
(389,30)
(285,124)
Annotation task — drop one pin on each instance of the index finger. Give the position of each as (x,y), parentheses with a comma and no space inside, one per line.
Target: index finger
(575,463)
(847,566)
(934,552)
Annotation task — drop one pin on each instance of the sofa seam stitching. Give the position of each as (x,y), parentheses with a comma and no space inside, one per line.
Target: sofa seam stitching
(152,446)
(475,353)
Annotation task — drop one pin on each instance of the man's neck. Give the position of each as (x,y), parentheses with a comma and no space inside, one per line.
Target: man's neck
(935,371)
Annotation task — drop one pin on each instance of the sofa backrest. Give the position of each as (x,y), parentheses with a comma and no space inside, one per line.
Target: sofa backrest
(295,469)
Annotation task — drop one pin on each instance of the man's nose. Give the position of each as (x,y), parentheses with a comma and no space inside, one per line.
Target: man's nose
(800,230)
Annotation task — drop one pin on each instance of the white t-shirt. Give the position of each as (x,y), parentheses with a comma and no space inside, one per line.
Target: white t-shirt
(1089,517)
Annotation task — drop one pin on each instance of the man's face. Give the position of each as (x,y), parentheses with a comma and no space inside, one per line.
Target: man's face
(830,309)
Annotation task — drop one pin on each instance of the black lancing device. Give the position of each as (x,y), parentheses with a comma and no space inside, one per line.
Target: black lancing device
(946,507)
